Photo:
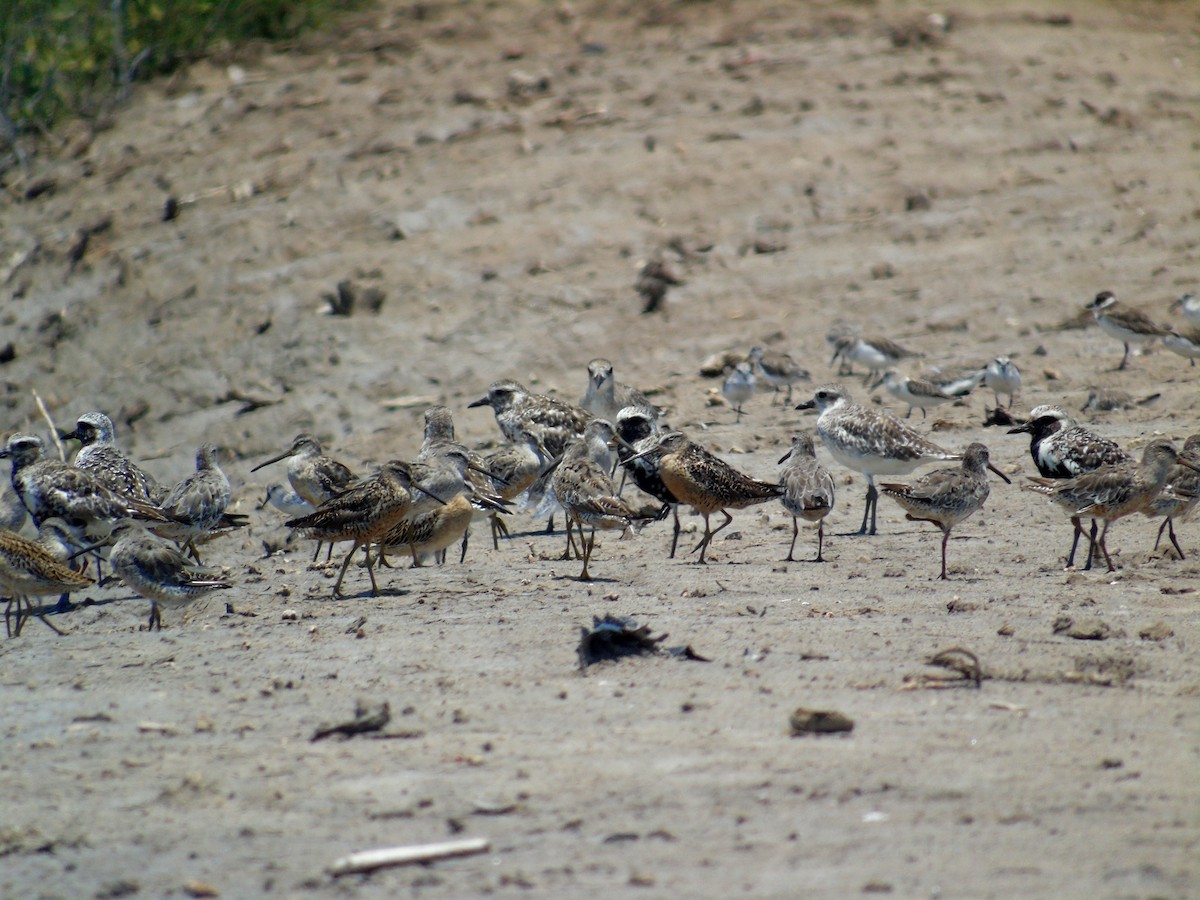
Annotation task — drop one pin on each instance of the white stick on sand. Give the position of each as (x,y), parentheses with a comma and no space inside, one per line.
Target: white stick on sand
(369,860)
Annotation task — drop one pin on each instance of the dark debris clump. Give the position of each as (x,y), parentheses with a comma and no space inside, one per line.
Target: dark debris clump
(613,637)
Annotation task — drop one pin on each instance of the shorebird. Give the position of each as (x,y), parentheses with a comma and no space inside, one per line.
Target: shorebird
(550,422)
(1180,495)
(514,467)
(605,396)
(1002,377)
(1189,305)
(50,488)
(28,569)
(431,531)
(582,486)
(652,283)
(807,489)
(778,370)
(12,510)
(285,499)
(876,353)
(916,392)
(154,568)
(1128,325)
(1185,343)
(100,455)
(739,387)
(363,513)
(1061,448)
(945,497)
(870,442)
(197,504)
(706,483)
(638,430)
(314,476)
(65,543)
(1113,492)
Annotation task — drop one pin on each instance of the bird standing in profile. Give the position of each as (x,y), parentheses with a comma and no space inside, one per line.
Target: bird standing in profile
(1126,324)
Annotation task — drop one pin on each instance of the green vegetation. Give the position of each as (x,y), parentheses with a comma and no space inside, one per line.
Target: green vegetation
(66,57)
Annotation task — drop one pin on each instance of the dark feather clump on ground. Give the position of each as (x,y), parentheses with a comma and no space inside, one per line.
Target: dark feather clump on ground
(613,637)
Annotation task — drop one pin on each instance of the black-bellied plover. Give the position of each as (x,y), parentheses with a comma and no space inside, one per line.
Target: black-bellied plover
(778,370)
(551,422)
(1126,324)
(870,442)
(100,455)
(605,396)
(155,569)
(1002,377)
(706,482)
(1113,492)
(808,491)
(947,496)
(638,430)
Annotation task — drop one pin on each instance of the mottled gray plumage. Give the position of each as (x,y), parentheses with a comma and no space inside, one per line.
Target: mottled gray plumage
(808,491)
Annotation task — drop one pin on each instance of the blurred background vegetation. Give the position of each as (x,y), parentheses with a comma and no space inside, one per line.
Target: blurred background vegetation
(62,58)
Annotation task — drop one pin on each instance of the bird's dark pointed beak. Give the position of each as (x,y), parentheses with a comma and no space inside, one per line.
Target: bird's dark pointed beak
(265,501)
(487,473)
(1022,429)
(807,404)
(482,401)
(1007,480)
(274,459)
(785,457)
(429,494)
(69,435)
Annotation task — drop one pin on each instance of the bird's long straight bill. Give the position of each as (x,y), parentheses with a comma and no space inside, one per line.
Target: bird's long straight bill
(274,459)
(486,472)
(1007,480)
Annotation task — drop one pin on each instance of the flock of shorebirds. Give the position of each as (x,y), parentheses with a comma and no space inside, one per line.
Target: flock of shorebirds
(563,457)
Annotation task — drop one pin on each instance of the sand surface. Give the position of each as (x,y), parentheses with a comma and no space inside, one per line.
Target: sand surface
(500,172)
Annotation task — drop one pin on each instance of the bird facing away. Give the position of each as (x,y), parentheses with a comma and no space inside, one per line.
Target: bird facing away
(28,569)
(362,514)
(778,370)
(945,497)
(638,430)
(870,442)
(739,386)
(1189,305)
(1002,377)
(605,396)
(197,504)
(1061,448)
(552,423)
(100,455)
(706,483)
(586,492)
(807,489)
(1180,495)
(514,467)
(916,392)
(154,568)
(1126,324)
(50,488)
(1113,492)
(1183,343)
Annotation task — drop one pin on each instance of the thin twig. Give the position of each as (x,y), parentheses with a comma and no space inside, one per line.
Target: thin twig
(62,452)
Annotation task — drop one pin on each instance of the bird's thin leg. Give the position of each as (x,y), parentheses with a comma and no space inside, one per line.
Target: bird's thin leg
(1104,547)
(337,587)
(675,534)
(703,541)
(155,617)
(795,533)
(1075,541)
(371,570)
(317,552)
(820,540)
(1171,532)
(1091,548)
(945,539)
(1124,359)
(872,502)
(463,556)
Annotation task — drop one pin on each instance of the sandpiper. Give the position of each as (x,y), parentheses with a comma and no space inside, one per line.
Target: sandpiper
(1189,305)
(1185,343)
(1061,448)
(50,488)
(1002,377)
(915,392)
(870,442)
(778,370)
(605,396)
(1128,325)
(285,499)
(28,569)
(1180,495)
(551,422)
(197,504)
(363,513)
(706,483)
(639,431)
(431,531)
(155,569)
(739,387)
(584,489)
(807,489)
(945,497)
(514,467)
(876,353)
(100,455)
(1113,492)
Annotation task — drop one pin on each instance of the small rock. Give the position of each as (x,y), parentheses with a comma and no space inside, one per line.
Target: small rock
(1159,631)
(290,615)
(819,721)
(1083,630)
